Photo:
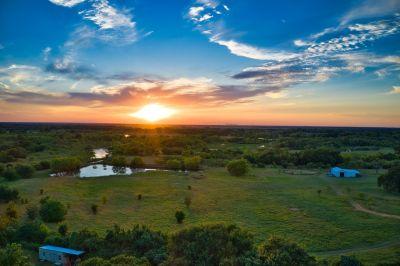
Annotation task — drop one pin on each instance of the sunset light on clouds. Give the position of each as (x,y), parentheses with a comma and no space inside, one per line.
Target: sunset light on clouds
(135,61)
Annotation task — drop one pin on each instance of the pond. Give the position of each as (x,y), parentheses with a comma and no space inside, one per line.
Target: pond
(97,170)
(100,153)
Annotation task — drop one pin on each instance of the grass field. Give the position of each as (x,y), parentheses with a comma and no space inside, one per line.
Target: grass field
(267,202)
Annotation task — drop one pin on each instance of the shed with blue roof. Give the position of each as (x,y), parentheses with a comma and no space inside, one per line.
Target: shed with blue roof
(340,172)
(60,255)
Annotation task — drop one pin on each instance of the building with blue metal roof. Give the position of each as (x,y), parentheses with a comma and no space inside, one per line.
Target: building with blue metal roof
(59,255)
(340,172)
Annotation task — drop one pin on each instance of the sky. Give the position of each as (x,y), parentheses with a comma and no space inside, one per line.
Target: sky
(242,62)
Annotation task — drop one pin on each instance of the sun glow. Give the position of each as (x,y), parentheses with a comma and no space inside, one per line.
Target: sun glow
(153,112)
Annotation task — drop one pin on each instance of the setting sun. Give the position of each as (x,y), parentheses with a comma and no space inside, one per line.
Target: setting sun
(153,112)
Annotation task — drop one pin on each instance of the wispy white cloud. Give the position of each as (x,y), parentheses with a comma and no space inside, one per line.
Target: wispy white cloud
(46,53)
(202,13)
(108,17)
(371,9)
(67,3)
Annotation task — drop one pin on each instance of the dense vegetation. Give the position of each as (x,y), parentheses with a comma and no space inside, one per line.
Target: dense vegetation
(237,174)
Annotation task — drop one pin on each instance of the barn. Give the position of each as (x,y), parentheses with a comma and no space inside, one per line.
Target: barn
(59,255)
(340,172)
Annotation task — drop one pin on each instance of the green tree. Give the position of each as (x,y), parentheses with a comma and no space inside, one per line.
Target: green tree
(192,163)
(279,252)
(11,210)
(174,164)
(10,174)
(8,194)
(95,261)
(180,216)
(52,211)
(63,229)
(33,232)
(137,162)
(24,171)
(12,255)
(238,167)
(118,161)
(66,165)
(94,208)
(32,212)
(391,180)
(211,245)
(348,261)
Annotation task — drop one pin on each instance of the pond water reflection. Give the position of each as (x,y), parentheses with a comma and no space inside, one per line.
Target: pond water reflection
(100,153)
(97,170)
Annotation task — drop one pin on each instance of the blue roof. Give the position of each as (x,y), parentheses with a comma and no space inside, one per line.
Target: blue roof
(63,250)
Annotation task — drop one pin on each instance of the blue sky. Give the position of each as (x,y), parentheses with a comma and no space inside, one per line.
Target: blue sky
(280,62)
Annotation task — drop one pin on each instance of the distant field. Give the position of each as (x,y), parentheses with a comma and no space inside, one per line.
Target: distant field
(267,202)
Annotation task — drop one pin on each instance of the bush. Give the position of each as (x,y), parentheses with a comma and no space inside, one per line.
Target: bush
(33,232)
(11,211)
(8,194)
(174,164)
(279,252)
(63,229)
(24,171)
(348,261)
(192,163)
(137,162)
(52,211)
(43,165)
(391,181)
(94,208)
(238,167)
(65,165)
(10,174)
(180,216)
(32,212)
(211,245)
(118,161)
(13,255)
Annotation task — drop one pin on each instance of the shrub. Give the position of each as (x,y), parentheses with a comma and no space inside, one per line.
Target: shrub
(180,216)
(137,162)
(238,167)
(174,164)
(33,232)
(65,165)
(192,163)
(24,171)
(94,208)
(63,229)
(279,252)
(139,196)
(390,181)
(52,211)
(348,261)
(10,174)
(11,211)
(8,194)
(43,165)
(32,212)
(13,255)
(211,245)
(118,161)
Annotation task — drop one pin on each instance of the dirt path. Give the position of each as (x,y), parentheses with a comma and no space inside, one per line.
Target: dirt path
(358,207)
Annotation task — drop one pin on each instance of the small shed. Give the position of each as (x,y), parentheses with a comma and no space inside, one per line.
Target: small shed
(340,172)
(59,255)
